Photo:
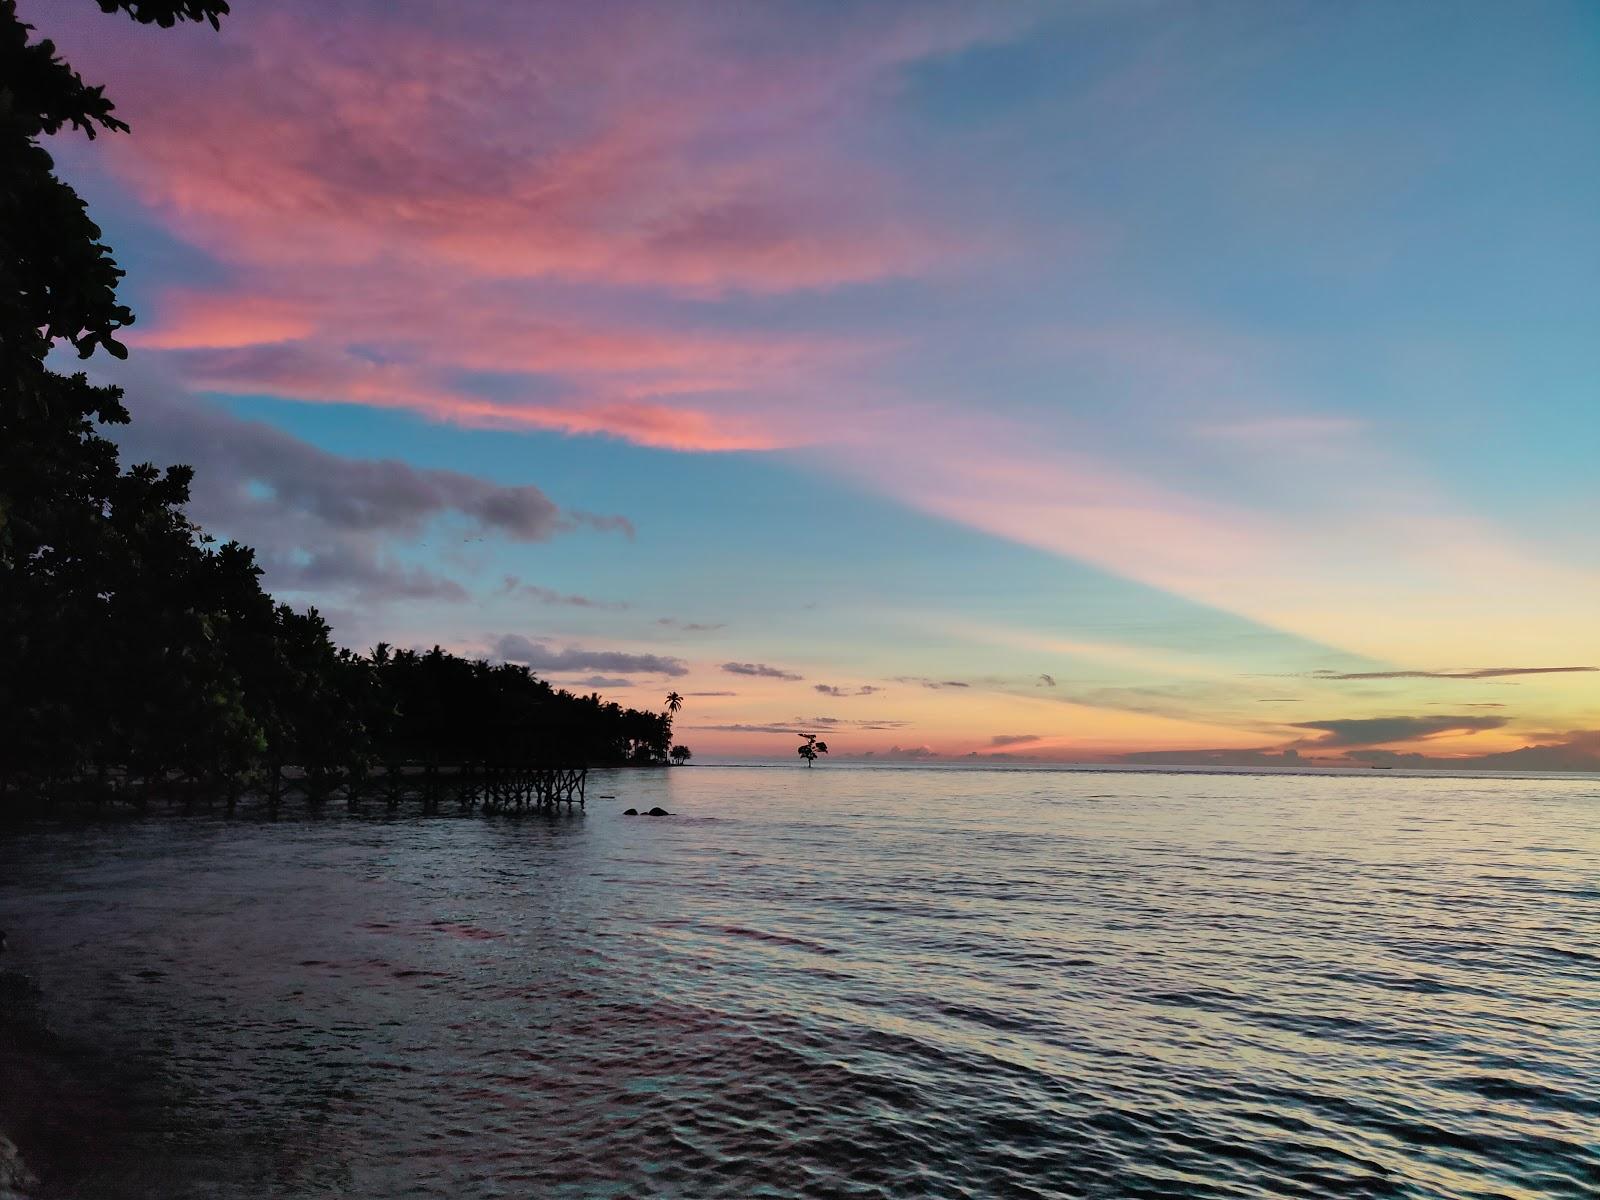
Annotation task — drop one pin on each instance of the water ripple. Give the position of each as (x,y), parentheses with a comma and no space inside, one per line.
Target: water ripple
(844,983)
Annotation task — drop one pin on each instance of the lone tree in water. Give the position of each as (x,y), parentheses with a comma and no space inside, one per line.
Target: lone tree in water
(811,749)
(681,754)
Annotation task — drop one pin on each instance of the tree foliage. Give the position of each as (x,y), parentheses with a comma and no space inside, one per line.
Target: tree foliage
(810,748)
(128,638)
(439,705)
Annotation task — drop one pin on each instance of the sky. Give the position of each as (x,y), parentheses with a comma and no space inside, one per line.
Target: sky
(1143,382)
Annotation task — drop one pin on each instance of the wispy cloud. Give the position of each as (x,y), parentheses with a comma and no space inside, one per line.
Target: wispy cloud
(851,722)
(864,690)
(1013,739)
(745,728)
(804,725)
(1576,750)
(512,586)
(325,524)
(761,670)
(1377,731)
(514,647)
(255,473)
(1452,673)
(903,753)
(635,184)
(533,149)
(675,415)
(1348,558)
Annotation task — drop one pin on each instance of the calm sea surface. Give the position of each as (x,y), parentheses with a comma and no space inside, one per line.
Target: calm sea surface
(846,982)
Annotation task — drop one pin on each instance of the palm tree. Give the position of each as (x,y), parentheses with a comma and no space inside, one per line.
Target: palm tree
(674,703)
(681,754)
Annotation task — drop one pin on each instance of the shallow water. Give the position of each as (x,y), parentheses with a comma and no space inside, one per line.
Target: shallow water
(846,982)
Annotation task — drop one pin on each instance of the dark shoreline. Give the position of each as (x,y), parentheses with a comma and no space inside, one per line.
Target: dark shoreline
(67,1117)
(24,1045)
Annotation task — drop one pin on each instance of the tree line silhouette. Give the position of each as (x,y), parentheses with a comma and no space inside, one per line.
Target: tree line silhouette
(131,642)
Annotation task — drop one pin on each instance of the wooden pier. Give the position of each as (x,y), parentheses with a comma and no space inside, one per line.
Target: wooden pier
(476,785)
(519,789)
(487,787)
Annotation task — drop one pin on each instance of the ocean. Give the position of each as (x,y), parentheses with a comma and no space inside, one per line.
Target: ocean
(842,982)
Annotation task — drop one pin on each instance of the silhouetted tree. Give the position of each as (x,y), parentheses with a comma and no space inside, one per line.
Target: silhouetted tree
(674,703)
(681,754)
(810,748)
(112,646)
(128,640)
(440,706)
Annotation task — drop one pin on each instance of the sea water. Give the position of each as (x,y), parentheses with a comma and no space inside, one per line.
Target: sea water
(842,982)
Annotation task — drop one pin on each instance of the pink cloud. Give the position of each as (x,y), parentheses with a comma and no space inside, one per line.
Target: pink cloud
(197,321)
(637,150)
(1373,558)
(372,344)
(475,327)
(307,373)
(1007,478)
(402,198)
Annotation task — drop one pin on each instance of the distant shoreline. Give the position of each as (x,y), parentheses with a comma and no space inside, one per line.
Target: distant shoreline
(1091,768)
(255,806)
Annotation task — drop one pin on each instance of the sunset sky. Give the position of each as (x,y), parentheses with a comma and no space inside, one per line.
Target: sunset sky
(1075,382)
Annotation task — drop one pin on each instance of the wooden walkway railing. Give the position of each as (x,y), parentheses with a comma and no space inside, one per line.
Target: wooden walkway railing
(485,786)
(491,787)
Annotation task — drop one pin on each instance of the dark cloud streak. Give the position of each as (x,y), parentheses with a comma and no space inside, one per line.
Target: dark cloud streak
(512,586)
(322,523)
(1461,673)
(761,670)
(688,626)
(1376,731)
(539,656)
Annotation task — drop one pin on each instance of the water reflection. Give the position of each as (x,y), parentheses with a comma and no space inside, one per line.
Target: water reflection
(848,983)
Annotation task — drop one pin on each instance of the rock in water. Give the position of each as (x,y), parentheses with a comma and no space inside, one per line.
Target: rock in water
(658,812)
(630,812)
